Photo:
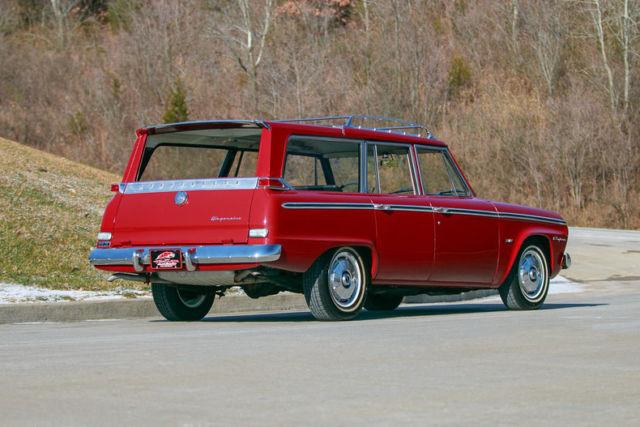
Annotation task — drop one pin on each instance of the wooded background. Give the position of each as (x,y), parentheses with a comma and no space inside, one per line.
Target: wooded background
(539,99)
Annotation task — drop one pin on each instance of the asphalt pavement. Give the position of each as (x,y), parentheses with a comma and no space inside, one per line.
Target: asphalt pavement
(576,361)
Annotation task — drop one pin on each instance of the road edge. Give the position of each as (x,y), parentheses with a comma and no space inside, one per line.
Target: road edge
(145,307)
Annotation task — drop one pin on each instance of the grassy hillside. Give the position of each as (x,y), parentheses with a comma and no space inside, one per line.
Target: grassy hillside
(50,210)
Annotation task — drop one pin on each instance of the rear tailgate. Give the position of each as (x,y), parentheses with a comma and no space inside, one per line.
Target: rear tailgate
(216,211)
(189,184)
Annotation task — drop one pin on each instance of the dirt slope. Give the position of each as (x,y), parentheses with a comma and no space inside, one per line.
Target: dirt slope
(50,210)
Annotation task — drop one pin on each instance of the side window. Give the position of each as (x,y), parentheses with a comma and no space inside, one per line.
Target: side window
(322,164)
(303,171)
(439,177)
(389,169)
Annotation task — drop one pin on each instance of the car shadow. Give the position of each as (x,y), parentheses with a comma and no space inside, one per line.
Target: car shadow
(404,311)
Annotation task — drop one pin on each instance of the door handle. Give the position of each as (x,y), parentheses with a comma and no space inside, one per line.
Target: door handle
(440,210)
(381,207)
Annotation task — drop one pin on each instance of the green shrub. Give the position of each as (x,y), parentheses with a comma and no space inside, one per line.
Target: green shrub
(78,123)
(176,109)
(119,13)
(459,75)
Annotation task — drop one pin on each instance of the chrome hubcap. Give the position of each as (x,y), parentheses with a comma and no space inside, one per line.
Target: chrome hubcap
(191,299)
(532,274)
(345,280)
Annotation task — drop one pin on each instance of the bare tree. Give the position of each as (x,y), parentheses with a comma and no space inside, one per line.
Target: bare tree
(599,26)
(620,19)
(548,41)
(627,33)
(515,15)
(246,36)
(61,10)
(566,147)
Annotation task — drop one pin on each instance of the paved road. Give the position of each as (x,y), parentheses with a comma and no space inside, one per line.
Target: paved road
(577,361)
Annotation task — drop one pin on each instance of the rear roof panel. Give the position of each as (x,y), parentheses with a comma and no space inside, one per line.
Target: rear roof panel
(352,132)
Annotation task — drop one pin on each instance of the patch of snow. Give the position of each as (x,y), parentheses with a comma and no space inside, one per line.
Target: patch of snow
(12,294)
(560,285)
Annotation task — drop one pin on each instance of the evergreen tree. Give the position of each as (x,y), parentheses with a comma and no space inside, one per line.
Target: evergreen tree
(176,109)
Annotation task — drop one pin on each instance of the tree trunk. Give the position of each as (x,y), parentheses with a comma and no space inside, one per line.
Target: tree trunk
(597,21)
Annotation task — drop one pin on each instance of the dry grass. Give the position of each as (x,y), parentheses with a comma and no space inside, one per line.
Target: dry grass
(50,211)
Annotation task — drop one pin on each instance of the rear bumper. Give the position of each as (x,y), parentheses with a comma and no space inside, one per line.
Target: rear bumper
(139,257)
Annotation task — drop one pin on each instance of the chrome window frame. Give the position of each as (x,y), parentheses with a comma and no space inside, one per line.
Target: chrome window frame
(447,158)
(176,128)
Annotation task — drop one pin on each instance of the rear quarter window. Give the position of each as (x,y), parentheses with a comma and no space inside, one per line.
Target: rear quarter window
(322,164)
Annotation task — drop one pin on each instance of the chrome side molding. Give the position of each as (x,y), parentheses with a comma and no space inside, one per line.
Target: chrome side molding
(423,208)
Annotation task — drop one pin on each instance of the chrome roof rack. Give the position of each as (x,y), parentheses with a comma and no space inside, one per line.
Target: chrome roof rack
(388,124)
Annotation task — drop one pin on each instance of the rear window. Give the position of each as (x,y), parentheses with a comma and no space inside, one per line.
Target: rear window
(197,154)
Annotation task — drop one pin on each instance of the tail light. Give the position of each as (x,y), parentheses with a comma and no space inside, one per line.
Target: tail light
(104,235)
(104,239)
(258,232)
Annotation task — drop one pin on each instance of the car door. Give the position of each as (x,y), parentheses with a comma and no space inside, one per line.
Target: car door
(466,228)
(404,222)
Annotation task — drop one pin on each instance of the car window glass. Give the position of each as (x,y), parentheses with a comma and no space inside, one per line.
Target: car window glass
(438,175)
(244,164)
(204,153)
(322,165)
(183,162)
(393,168)
(346,173)
(303,171)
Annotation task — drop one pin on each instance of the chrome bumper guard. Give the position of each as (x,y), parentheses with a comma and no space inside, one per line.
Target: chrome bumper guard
(138,257)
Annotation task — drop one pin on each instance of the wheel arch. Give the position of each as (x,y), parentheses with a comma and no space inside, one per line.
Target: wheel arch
(366,251)
(540,240)
(538,236)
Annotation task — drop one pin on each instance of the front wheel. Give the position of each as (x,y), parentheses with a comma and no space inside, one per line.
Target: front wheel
(527,286)
(180,304)
(335,285)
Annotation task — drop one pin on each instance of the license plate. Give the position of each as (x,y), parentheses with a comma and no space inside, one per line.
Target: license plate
(166,259)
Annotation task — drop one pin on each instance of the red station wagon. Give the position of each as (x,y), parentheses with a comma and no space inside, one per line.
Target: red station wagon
(351,211)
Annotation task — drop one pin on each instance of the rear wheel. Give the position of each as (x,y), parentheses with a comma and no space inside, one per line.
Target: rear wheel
(335,285)
(382,302)
(180,304)
(527,286)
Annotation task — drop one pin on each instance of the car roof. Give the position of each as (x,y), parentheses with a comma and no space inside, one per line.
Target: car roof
(353,133)
(355,127)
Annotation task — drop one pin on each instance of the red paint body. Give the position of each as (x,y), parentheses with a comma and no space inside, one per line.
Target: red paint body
(410,248)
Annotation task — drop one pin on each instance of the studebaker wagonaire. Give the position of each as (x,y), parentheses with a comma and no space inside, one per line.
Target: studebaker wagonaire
(352,211)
